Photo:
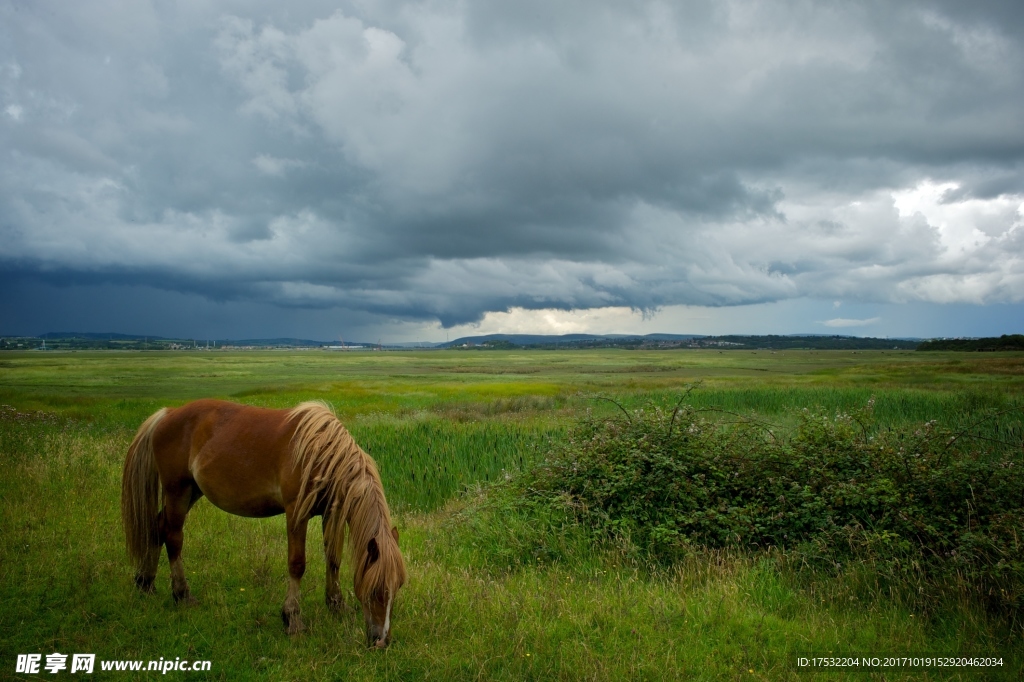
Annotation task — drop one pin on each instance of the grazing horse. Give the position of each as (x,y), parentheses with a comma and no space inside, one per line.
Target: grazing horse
(258,462)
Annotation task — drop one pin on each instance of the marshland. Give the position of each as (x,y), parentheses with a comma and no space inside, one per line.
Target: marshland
(520,566)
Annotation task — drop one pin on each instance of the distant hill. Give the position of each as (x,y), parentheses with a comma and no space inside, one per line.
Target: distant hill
(563,339)
(653,341)
(92,336)
(1006,342)
(282,342)
(115,341)
(809,342)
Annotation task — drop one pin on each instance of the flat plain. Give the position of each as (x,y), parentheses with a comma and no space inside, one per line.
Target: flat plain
(440,424)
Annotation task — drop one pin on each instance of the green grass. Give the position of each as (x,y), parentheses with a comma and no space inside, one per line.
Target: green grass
(426,462)
(437,422)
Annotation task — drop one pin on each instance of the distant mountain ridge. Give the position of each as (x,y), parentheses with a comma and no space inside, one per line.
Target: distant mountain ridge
(650,341)
(118,341)
(113,340)
(111,336)
(92,336)
(541,339)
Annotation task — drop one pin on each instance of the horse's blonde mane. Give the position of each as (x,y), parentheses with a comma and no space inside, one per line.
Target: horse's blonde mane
(335,470)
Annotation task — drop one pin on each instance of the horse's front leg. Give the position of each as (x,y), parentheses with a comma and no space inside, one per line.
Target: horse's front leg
(335,602)
(296,567)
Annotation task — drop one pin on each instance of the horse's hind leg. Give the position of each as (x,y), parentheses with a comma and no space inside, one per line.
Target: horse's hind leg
(296,567)
(176,506)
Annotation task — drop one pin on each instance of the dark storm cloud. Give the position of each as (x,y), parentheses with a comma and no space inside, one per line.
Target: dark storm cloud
(439,160)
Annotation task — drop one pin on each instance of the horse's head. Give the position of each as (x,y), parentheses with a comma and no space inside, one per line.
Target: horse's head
(382,576)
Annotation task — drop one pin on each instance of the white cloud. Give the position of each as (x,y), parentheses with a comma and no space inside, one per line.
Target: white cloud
(846,322)
(269,165)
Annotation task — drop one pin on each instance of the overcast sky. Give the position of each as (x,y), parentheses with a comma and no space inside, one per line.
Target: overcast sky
(411,170)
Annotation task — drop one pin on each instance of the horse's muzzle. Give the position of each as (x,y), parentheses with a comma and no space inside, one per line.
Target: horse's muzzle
(375,639)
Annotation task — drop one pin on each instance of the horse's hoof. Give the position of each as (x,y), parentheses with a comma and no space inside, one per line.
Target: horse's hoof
(335,604)
(292,623)
(185,599)
(145,585)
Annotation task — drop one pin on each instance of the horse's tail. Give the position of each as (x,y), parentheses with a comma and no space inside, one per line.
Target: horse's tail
(140,499)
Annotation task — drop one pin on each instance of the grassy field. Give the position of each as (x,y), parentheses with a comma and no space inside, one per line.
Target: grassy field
(438,423)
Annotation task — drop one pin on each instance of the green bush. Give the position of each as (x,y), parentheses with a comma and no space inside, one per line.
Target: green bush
(926,500)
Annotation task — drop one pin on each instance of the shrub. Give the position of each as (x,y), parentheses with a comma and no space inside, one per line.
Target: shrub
(926,500)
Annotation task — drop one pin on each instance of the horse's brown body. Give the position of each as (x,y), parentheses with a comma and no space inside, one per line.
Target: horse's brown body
(238,456)
(259,462)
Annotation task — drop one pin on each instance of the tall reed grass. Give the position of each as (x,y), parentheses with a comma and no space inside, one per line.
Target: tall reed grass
(426,462)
